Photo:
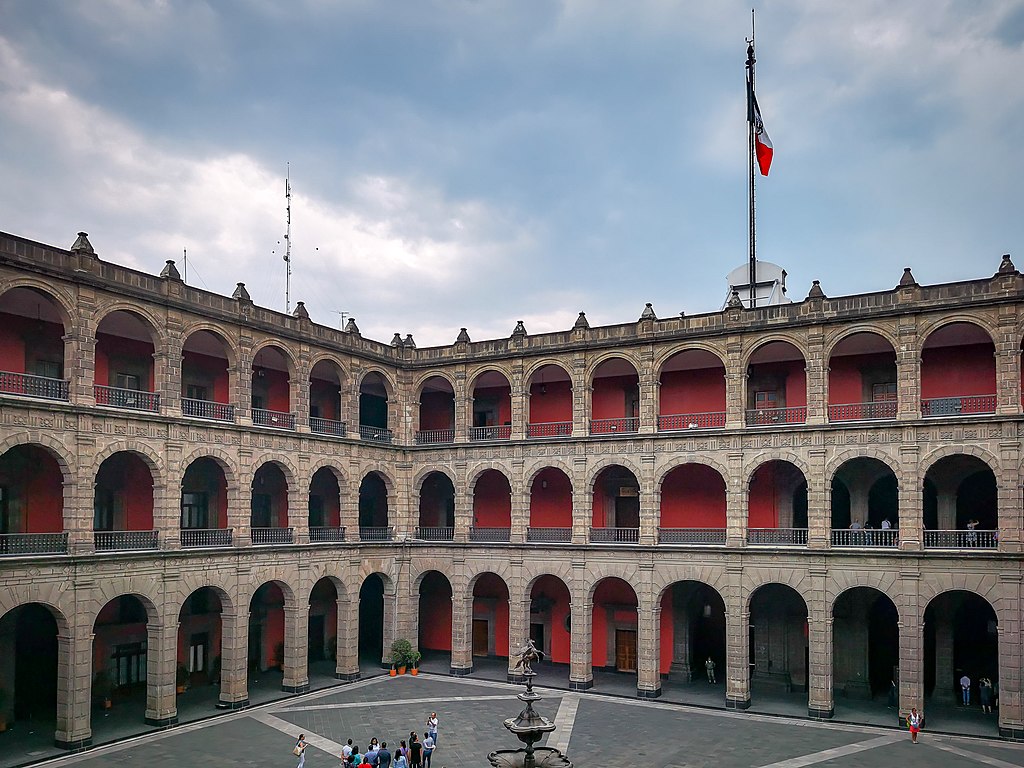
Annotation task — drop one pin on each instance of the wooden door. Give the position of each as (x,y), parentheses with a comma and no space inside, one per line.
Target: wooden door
(480,633)
(625,650)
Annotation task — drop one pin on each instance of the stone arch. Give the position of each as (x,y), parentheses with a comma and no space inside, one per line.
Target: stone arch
(698,574)
(290,359)
(621,353)
(423,474)
(798,581)
(426,376)
(884,583)
(12,598)
(230,347)
(317,573)
(261,576)
(667,353)
(776,455)
(614,461)
(471,378)
(762,341)
(864,452)
(681,460)
(538,364)
(192,581)
(330,357)
(282,461)
(63,302)
(59,451)
(931,458)
(933,324)
(330,463)
(389,482)
(223,459)
(985,586)
(425,567)
(157,325)
(478,470)
(626,572)
(883,331)
(535,469)
(498,570)
(125,586)
(559,571)
(389,384)
(147,453)
(385,571)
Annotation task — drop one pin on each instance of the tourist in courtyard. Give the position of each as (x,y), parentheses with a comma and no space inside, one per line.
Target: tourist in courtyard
(432,726)
(985,694)
(914,721)
(400,761)
(709,667)
(965,689)
(371,752)
(346,753)
(384,756)
(415,751)
(428,750)
(300,749)
(357,756)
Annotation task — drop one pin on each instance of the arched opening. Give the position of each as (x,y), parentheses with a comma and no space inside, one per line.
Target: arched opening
(492,507)
(692,634)
(268,519)
(550,507)
(779,650)
(31,502)
(371,620)
(865,649)
(862,379)
(123,504)
(550,390)
(961,504)
(325,399)
(961,638)
(958,371)
(550,624)
(776,385)
(437,412)
(691,394)
(28,669)
(119,659)
(692,506)
(435,620)
(865,505)
(266,652)
(124,372)
(615,507)
(373,408)
(32,345)
(614,628)
(492,407)
(322,629)
(490,619)
(200,634)
(325,507)
(615,400)
(373,509)
(777,505)
(205,384)
(437,508)
(271,390)
(204,505)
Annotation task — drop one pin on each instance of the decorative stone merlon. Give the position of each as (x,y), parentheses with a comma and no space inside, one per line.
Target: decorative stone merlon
(170,272)
(519,331)
(1006,266)
(581,322)
(648,313)
(82,245)
(300,311)
(463,337)
(241,294)
(351,327)
(816,292)
(735,302)
(396,340)
(907,281)
(409,341)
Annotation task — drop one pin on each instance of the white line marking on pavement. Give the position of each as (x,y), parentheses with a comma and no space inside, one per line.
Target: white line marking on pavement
(313,739)
(395,703)
(831,754)
(564,721)
(993,761)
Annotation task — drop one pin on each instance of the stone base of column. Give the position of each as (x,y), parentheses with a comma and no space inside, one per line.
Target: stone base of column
(581,685)
(1012,732)
(460,671)
(301,688)
(241,704)
(347,677)
(731,703)
(162,722)
(821,714)
(79,745)
(645,693)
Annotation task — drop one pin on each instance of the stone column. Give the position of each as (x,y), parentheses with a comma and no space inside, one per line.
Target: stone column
(737,656)
(462,632)
(74,687)
(581,503)
(911,629)
(650,511)
(167,382)
(298,389)
(911,499)
(298,510)
(648,683)
(243,382)
(463,508)
(581,672)
(401,610)
(1008,502)
(821,699)
(78,514)
(649,400)
(234,652)
(908,371)
(735,385)
(347,633)
(80,365)
(1011,713)
(296,649)
(520,405)
(520,498)
(736,502)
(518,625)
(240,510)
(819,511)
(1008,378)
(167,513)
(349,512)
(161,672)
(463,417)
(816,378)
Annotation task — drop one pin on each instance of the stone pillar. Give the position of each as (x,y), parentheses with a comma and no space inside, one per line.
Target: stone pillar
(681,635)
(463,416)
(298,389)
(234,652)
(163,380)
(520,498)
(821,700)
(74,687)
(78,514)
(581,609)
(463,507)
(819,509)
(908,370)
(1008,378)
(462,632)
(1008,502)
(296,648)
(911,499)
(650,508)
(518,625)
(167,513)
(520,405)
(240,510)
(911,629)
(347,633)
(82,368)
(582,501)
(736,502)
(349,512)
(649,400)
(401,610)
(816,373)
(735,385)
(1011,713)
(648,683)
(298,510)
(243,382)
(161,672)
(737,656)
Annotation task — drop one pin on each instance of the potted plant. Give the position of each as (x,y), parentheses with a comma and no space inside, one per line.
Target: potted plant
(181,678)
(415,661)
(102,689)
(401,654)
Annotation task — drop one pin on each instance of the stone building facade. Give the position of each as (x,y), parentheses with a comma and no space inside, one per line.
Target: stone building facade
(633,497)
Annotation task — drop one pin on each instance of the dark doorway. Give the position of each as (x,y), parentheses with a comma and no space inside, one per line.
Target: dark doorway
(371,618)
(316,638)
(35,664)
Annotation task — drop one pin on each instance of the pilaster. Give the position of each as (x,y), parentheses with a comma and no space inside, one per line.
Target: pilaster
(74,686)
(161,672)
(462,631)
(347,633)
(296,649)
(581,673)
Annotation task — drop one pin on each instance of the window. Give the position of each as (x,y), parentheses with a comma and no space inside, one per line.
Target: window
(197,652)
(261,511)
(194,513)
(883,392)
(196,392)
(50,369)
(127,381)
(129,663)
(766,399)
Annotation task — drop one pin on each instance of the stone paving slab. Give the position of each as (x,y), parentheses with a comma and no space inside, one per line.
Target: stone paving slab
(403,687)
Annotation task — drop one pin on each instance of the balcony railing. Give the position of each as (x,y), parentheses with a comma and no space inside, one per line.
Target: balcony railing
(206,537)
(614,535)
(882,409)
(710,536)
(274,419)
(435,436)
(324,534)
(33,544)
(376,533)
(490,534)
(132,399)
(764,417)
(117,541)
(549,429)
(263,536)
(502,432)
(327,426)
(865,537)
(33,386)
(674,421)
(375,434)
(627,424)
(777,537)
(549,535)
(431,533)
(964,405)
(207,409)
(961,539)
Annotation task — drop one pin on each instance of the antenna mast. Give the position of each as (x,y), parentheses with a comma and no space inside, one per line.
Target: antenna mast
(288,241)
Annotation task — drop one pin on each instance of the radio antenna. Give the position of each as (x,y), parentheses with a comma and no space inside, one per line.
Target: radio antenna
(288,240)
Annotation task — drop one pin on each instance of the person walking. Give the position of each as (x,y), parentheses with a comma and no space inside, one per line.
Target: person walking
(432,727)
(709,667)
(300,750)
(965,689)
(914,723)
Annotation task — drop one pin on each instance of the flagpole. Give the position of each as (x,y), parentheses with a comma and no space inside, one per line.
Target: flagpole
(750,163)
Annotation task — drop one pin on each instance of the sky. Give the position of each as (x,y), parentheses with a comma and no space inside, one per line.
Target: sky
(471,163)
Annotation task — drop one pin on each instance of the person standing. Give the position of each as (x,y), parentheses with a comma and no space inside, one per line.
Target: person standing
(914,723)
(300,750)
(432,727)
(415,751)
(985,694)
(400,761)
(428,750)
(346,753)
(965,689)
(383,756)
(709,667)
(371,753)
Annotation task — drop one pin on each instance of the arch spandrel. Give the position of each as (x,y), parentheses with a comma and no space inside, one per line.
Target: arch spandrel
(761,459)
(423,474)
(864,452)
(662,356)
(594,471)
(930,459)
(682,459)
(883,330)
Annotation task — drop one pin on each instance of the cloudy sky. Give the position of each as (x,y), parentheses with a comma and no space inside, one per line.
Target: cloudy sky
(473,162)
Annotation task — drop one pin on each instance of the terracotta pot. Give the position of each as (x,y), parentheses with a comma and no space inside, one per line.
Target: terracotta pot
(393,672)
(107,703)
(401,670)
(415,670)
(181,689)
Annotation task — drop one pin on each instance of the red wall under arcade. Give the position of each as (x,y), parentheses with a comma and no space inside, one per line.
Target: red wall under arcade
(696,391)
(693,496)
(551,507)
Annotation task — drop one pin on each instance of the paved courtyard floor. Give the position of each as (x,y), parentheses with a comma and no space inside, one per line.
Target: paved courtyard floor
(592,729)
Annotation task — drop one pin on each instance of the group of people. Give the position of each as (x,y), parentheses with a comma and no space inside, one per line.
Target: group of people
(410,753)
(986,692)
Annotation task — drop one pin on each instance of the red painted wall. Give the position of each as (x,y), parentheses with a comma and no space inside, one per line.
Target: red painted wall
(138,491)
(610,591)
(273,626)
(693,496)
(275,385)
(796,379)
(491,586)
(697,391)
(325,395)
(609,396)
(504,397)
(325,485)
(114,348)
(667,629)
(437,410)
(845,382)
(36,484)
(951,371)
(435,614)
(763,500)
(200,369)
(15,353)
(553,405)
(492,501)
(554,589)
(551,507)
